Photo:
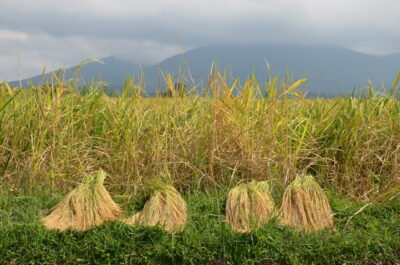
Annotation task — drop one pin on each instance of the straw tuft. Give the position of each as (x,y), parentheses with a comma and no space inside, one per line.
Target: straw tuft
(249,206)
(165,208)
(305,206)
(86,206)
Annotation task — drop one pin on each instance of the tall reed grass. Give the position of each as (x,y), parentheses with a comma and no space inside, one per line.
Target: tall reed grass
(53,134)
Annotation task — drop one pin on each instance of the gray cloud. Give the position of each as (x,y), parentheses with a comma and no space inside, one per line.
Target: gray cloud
(64,32)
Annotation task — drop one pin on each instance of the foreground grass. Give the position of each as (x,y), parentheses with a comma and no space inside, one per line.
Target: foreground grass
(49,139)
(370,237)
(53,135)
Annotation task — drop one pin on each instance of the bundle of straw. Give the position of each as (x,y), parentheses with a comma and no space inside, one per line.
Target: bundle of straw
(249,206)
(86,206)
(305,206)
(165,208)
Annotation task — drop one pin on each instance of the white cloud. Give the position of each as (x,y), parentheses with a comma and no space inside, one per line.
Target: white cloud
(28,55)
(12,35)
(64,32)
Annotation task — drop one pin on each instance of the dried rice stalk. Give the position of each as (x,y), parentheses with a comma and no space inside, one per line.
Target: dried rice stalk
(165,208)
(86,206)
(249,206)
(305,206)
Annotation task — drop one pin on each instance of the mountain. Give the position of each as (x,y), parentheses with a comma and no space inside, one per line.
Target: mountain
(113,71)
(330,70)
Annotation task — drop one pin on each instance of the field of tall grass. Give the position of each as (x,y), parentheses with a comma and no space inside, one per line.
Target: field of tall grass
(53,134)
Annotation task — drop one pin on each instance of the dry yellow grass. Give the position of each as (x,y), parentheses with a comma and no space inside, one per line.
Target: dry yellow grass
(86,206)
(249,206)
(239,128)
(305,206)
(165,208)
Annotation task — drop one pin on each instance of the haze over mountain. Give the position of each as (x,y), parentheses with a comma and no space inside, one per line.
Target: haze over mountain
(112,70)
(330,70)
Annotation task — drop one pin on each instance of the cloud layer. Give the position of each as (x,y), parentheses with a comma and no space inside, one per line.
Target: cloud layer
(65,32)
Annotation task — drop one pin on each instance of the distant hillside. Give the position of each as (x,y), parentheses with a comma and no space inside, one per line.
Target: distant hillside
(330,70)
(113,71)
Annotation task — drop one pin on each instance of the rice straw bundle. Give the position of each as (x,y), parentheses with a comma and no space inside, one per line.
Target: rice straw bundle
(305,206)
(248,206)
(86,206)
(165,208)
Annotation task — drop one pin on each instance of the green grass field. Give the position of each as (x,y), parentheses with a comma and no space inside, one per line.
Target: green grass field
(370,237)
(52,135)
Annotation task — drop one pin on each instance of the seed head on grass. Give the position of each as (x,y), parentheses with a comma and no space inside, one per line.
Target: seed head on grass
(86,206)
(249,206)
(305,206)
(165,208)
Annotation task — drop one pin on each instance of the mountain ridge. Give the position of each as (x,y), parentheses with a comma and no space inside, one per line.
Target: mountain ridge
(330,70)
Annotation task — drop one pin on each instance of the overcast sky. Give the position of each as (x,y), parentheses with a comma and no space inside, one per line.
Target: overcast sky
(63,32)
